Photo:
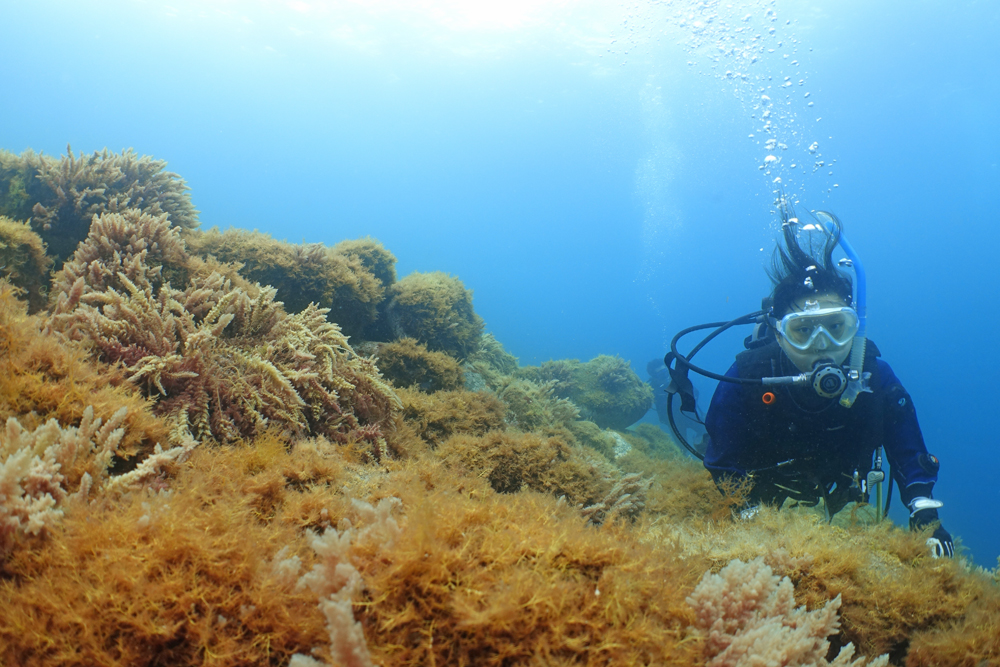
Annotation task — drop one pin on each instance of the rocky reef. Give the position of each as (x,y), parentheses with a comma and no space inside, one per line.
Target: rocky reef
(24,261)
(200,465)
(606,389)
(61,196)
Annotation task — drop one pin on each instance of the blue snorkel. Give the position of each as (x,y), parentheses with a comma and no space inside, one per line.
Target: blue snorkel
(856,380)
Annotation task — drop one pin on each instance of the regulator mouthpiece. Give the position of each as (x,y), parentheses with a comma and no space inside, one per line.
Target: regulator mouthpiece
(829,381)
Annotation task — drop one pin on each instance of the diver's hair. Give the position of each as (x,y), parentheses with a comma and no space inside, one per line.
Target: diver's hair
(798,271)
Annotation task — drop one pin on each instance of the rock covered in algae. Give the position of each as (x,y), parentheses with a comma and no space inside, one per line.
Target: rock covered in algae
(23,261)
(219,357)
(62,196)
(436,309)
(407,363)
(349,279)
(45,377)
(606,389)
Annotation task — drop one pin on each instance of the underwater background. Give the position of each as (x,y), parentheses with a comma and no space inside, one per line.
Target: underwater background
(600,175)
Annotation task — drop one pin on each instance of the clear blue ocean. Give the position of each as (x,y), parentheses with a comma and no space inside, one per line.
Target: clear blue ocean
(601,174)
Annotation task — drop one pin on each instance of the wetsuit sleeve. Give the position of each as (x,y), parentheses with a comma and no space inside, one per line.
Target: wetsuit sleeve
(903,441)
(726,426)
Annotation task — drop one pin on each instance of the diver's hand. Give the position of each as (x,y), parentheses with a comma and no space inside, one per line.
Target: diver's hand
(923,513)
(746,513)
(941,544)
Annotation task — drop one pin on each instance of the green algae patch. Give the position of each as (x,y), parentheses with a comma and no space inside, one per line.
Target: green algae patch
(436,309)
(606,389)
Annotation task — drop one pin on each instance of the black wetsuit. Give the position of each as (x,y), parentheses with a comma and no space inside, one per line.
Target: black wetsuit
(806,447)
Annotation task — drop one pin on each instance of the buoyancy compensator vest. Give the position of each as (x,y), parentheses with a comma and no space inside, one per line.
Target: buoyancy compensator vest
(801,445)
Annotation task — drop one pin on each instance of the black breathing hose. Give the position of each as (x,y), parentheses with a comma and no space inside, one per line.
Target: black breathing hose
(719,327)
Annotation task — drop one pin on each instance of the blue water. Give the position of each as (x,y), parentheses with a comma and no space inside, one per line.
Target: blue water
(586,168)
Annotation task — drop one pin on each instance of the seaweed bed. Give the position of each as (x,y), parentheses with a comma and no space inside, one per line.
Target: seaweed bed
(199,467)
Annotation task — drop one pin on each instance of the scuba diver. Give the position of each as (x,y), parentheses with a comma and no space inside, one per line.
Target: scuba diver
(806,410)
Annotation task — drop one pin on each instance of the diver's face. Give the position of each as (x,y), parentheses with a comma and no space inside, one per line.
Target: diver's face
(822,349)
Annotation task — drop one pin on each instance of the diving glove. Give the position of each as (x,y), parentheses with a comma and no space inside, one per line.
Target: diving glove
(923,512)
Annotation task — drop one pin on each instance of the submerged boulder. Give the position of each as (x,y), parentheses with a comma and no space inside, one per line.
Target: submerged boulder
(606,389)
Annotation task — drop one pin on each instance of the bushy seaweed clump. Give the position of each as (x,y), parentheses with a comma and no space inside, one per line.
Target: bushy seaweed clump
(19,189)
(373,256)
(533,406)
(435,309)
(490,365)
(43,376)
(430,419)
(517,579)
(220,358)
(74,429)
(407,363)
(62,196)
(606,389)
(23,261)
(349,280)
(172,578)
(511,461)
(457,574)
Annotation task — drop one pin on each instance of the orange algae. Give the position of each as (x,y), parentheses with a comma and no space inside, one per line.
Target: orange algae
(512,461)
(176,578)
(477,578)
(496,560)
(342,282)
(23,260)
(222,360)
(435,417)
(190,576)
(407,363)
(43,376)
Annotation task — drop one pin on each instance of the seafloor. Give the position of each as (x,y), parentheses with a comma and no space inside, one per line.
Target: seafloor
(225,449)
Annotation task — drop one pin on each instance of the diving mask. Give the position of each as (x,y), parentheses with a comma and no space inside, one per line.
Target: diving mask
(802,330)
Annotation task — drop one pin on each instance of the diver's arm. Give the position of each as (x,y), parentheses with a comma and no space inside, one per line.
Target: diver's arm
(727,428)
(912,467)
